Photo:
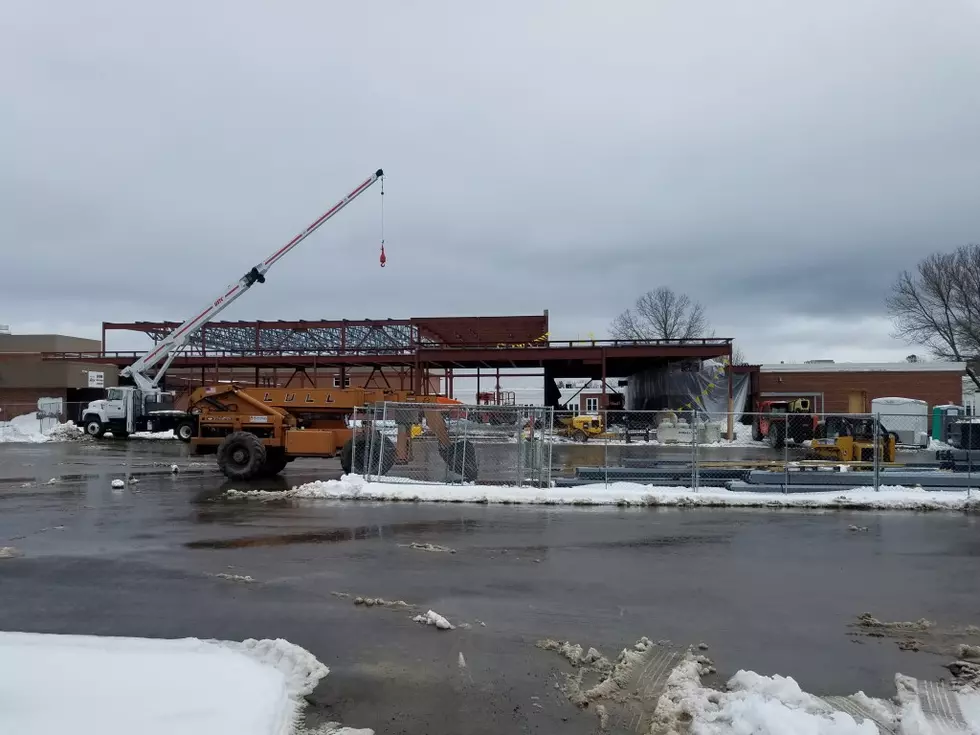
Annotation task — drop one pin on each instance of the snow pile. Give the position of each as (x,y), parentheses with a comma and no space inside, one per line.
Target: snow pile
(658,690)
(157,435)
(117,686)
(300,668)
(246,578)
(354,487)
(434,618)
(118,484)
(65,432)
(29,429)
(431,547)
(152,435)
(761,705)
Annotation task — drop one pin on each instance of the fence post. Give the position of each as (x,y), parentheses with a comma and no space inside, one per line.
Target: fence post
(876,453)
(521,446)
(694,449)
(786,437)
(380,438)
(605,447)
(456,447)
(551,439)
(353,437)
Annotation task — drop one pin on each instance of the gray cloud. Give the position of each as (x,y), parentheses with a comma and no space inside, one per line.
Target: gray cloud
(780,162)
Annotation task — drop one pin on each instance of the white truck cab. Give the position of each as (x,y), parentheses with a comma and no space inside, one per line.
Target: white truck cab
(126,410)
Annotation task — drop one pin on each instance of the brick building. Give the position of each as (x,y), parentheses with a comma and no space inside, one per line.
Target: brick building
(587,397)
(25,378)
(850,387)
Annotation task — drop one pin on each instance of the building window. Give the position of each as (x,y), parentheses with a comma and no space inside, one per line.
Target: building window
(592,405)
(336,381)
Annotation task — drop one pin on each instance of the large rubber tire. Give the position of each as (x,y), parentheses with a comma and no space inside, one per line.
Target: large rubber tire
(358,463)
(274,464)
(757,431)
(777,435)
(185,431)
(460,457)
(94,427)
(580,436)
(241,456)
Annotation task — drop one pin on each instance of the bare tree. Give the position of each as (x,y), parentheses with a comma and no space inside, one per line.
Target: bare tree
(661,314)
(938,306)
(738,357)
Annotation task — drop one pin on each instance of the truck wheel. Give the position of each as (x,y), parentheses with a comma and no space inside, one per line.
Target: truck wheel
(185,431)
(460,457)
(241,456)
(757,431)
(94,427)
(355,462)
(777,435)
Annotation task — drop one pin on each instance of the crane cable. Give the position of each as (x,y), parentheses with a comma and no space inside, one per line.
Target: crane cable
(383,259)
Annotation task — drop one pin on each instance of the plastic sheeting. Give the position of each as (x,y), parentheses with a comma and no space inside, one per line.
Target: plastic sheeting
(686,387)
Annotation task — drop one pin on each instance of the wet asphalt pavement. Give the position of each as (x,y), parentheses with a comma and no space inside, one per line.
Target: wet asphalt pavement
(772,591)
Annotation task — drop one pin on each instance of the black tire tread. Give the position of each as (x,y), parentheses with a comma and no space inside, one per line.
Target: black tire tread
(256,459)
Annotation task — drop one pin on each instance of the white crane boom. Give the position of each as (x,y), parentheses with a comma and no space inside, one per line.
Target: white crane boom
(169,346)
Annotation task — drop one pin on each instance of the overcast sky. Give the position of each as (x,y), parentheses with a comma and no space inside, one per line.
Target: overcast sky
(780,161)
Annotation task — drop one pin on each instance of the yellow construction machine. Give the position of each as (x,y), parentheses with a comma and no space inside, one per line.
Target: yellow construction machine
(581,428)
(255,432)
(852,439)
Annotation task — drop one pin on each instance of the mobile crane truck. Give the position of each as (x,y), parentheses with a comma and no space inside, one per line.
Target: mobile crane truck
(253,436)
(144,406)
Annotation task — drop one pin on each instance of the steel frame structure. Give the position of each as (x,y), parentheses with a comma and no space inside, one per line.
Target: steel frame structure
(417,350)
(394,336)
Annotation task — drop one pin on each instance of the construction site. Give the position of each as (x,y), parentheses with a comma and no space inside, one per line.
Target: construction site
(299,462)
(261,394)
(637,394)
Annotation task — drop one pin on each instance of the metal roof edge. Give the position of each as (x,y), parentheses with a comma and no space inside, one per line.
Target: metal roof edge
(867,367)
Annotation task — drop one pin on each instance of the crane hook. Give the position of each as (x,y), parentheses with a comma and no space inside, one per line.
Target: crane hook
(383,259)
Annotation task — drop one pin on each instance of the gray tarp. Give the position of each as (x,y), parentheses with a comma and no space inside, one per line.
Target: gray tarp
(688,386)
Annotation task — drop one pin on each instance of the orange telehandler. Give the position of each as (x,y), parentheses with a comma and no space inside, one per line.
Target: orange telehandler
(256,432)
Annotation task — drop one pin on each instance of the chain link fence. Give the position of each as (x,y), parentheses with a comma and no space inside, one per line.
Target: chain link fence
(780,450)
(783,449)
(439,443)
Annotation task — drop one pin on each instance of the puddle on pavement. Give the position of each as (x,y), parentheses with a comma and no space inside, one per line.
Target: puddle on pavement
(337,535)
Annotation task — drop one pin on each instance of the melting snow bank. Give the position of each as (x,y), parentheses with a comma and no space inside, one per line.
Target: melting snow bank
(157,435)
(154,687)
(29,429)
(750,703)
(658,691)
(353,487)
